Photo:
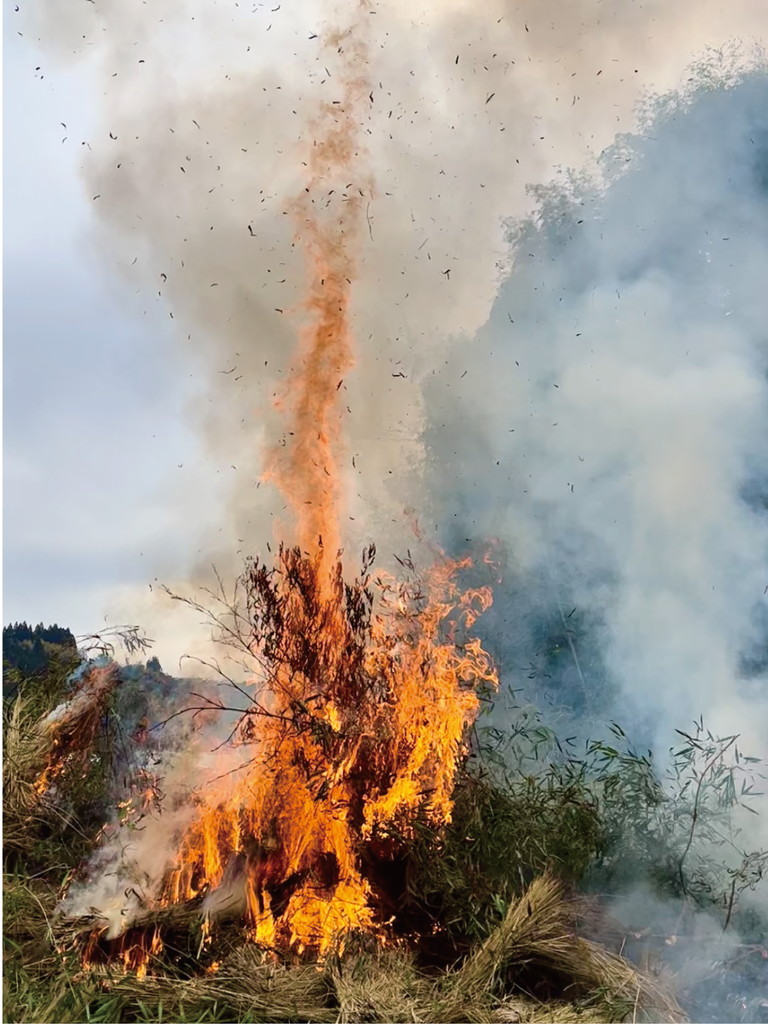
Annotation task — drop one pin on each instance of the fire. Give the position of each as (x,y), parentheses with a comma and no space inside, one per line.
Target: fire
(356,733)
(43,782)
(305,467)
(358,713)
(68,731)
(136,955)
(134,949)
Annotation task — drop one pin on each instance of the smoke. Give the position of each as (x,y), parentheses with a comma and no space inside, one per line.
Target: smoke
(206,120)
(170,753)
(608,424)
(723,979)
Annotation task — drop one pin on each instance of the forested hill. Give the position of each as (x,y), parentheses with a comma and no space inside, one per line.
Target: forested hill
(29,648)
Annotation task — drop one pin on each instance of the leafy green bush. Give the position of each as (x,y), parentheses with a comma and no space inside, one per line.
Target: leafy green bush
(606,821)
(679,830)
(503,835)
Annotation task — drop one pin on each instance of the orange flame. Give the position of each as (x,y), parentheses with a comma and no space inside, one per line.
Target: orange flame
(356,733)
(137,952)
(329,211)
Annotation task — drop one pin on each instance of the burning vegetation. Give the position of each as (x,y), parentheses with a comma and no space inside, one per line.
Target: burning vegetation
(352,738)
(463,888)
(354,719)
(356,715)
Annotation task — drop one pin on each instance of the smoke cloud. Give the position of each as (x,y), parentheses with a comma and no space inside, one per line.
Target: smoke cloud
(608,424)
(206,122)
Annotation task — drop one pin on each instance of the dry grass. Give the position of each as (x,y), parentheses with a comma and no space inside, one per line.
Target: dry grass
(377,986)
(247,986)
(365,983)
(586,983)
(26,750)
(538,932)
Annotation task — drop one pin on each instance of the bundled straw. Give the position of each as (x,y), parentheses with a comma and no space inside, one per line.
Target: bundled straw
(538,931)
(23,760)
(247,987)
(385,985)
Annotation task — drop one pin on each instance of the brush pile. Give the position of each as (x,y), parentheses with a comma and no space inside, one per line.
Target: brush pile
(347,738)
(472,912)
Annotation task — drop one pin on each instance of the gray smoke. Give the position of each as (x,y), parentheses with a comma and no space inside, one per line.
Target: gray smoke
(170,753)
(609,423)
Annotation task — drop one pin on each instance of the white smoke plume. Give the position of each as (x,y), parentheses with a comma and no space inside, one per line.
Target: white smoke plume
(131,863)
(171,755)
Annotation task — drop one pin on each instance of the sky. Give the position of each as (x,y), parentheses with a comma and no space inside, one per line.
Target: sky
(94,398)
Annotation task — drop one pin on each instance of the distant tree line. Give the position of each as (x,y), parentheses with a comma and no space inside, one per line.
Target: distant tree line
(28,649)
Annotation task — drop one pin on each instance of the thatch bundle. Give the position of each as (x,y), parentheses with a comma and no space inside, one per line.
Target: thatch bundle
(22,762)
(246,985)
(578,980)
(37,749)
(538,934)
